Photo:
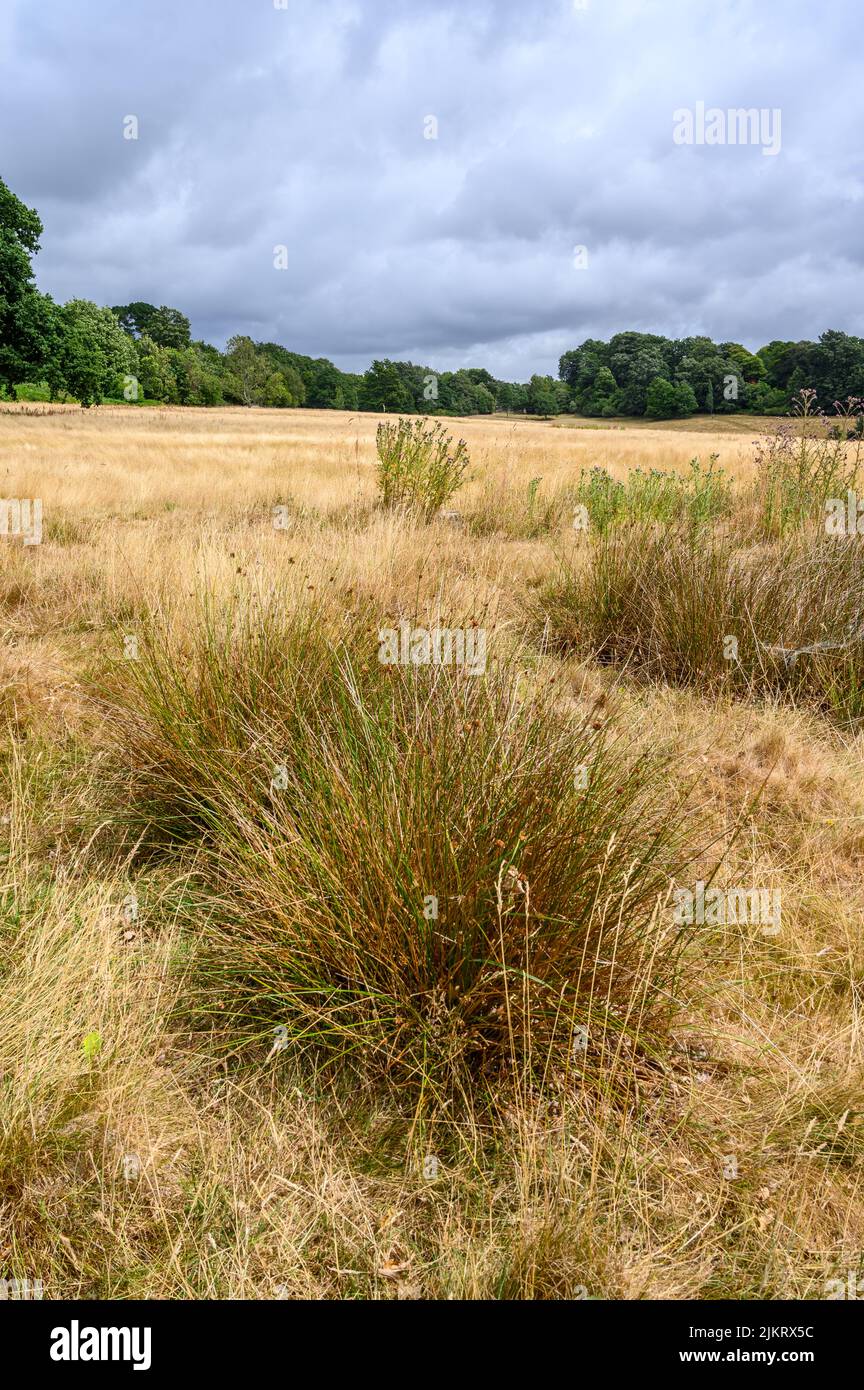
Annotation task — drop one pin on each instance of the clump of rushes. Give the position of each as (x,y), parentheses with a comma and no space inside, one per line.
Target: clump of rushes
(686,606)
(440,875)
(658,599)
(419,466)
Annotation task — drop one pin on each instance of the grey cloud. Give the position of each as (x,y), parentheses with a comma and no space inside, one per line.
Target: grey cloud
(304,127)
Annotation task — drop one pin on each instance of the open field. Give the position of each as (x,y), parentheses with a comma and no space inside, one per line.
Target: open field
(118,455)
(163,916)
(750,426)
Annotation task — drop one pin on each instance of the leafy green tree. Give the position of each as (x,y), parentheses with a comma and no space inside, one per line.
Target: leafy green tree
(749,364)
(542,396)
(324,388)
(30,324)
(384,389)
(701,364)
(770,356)
(276,392)
(783,360)
(484,401)
(604,397)
(246,371)
(167,327)
(296,386)
(96,353)
(155,377)
(458,394)
(763,399)
(481,377)
(685,400)
(661,399)
(799,381)
(568,366)
(636,359)
(579,371)
(837,362)
(284,389)
(196,382)
(512,397)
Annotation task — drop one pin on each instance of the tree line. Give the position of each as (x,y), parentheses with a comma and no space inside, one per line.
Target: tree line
(142,353)
(646,374)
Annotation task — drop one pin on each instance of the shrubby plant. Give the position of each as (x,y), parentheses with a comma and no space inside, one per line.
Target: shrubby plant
(419,467)
(702,495)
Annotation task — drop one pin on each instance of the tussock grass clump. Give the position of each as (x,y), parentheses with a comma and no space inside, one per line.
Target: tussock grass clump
(688,607)
(440,874)
(419,467)
(656,599)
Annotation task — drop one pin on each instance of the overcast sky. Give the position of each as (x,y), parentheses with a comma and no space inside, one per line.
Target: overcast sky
(306,127)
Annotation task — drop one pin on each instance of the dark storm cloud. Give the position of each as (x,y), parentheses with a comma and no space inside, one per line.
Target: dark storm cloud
(304,127)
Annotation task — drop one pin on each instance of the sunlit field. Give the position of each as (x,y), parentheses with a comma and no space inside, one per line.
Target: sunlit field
(243,1056)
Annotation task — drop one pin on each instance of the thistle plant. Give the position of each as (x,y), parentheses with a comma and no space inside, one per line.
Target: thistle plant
(419,467)
(805,462)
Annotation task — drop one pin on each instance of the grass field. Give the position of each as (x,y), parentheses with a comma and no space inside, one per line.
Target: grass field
(238,1059)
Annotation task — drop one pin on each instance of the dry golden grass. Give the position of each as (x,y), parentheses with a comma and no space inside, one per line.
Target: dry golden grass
(132,463)
(272,1181)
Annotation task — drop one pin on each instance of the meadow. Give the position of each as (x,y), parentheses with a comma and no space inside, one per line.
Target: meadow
(321,978)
